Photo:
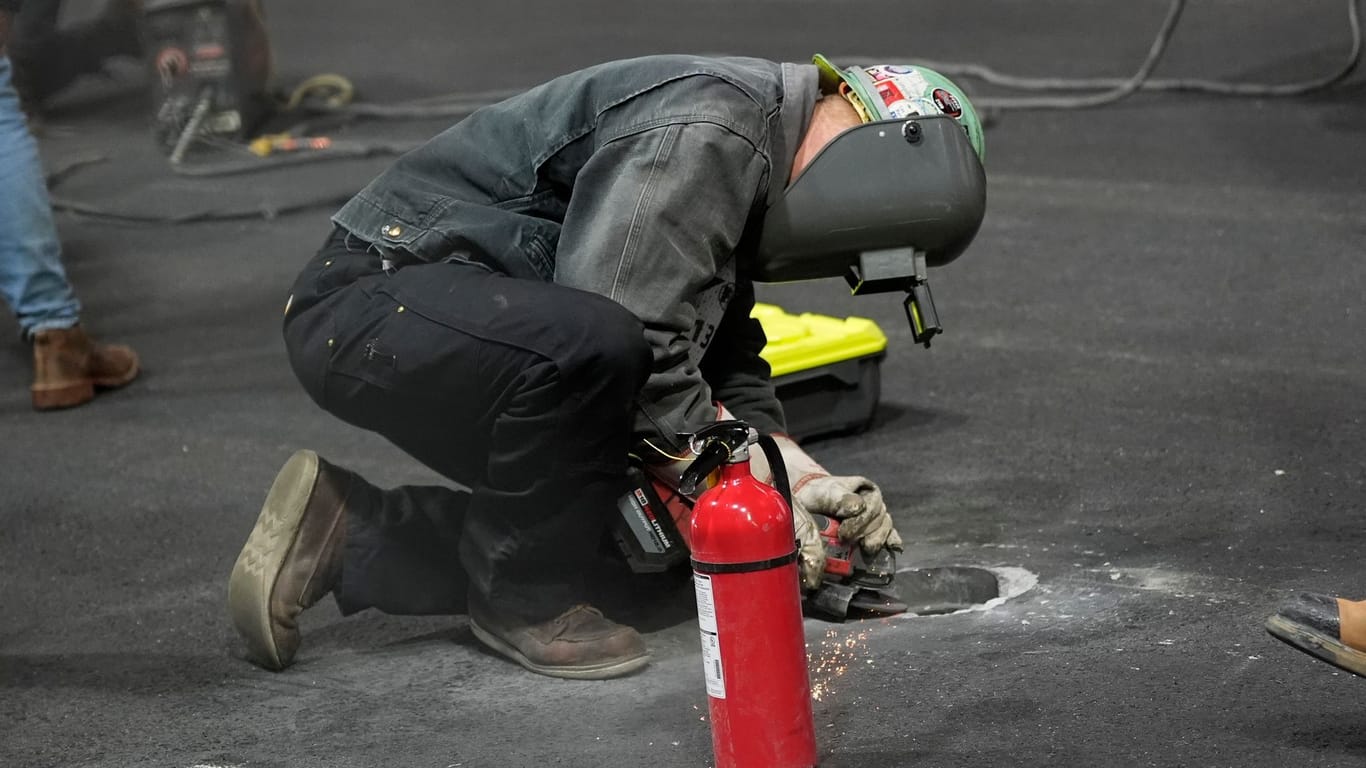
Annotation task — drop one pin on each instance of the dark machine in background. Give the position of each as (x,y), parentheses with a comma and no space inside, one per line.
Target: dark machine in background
(211,67)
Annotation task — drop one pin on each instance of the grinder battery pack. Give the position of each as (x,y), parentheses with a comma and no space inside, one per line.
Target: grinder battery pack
(647,526)
(211,69)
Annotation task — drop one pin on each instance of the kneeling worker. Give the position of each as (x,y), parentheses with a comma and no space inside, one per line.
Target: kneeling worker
(524,299)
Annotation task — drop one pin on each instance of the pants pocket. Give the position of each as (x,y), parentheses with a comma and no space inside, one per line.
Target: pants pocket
(365,347)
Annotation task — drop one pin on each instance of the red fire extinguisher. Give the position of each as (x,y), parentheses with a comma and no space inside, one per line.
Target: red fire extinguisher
(744,557)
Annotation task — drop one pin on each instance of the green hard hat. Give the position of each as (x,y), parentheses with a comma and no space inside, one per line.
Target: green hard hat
(898,91)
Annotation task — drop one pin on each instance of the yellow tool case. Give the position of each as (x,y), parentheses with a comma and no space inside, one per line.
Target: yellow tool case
(827,370)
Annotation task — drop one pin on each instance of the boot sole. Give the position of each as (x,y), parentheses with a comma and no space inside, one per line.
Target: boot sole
(257,569)
(1317,644)
(63,397)
(601,671)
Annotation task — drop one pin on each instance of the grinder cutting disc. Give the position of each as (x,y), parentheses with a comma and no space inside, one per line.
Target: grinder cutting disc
(854,582)
(873,577)
(883,602)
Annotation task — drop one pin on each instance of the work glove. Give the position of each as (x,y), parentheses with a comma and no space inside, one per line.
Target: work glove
(856,502)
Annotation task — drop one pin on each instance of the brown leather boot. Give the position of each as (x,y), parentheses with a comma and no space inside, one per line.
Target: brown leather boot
(579,643)
(68,367)
(292,559)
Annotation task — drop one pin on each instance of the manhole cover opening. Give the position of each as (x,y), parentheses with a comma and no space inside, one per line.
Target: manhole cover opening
(931,591)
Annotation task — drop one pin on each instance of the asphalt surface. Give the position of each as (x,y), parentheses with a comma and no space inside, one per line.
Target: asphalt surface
(1147,409)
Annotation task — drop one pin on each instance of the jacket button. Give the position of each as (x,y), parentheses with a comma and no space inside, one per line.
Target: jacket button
(393,230)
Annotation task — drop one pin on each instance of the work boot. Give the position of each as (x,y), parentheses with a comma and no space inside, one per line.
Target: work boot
(292,559)
(68,367)
(580,643)
(1330,628)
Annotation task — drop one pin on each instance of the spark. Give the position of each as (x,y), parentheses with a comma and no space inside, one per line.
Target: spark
(832,658)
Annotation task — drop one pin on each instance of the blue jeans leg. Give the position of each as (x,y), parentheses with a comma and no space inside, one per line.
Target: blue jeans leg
(32,280)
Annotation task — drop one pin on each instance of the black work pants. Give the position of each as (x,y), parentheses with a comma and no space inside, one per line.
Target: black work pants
(519,390)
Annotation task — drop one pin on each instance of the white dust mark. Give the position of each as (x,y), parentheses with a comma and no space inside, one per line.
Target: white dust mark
(1149,580)
(1280,472)
(1011,582)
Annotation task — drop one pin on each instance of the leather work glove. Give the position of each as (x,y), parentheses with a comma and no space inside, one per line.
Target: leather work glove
(856,502)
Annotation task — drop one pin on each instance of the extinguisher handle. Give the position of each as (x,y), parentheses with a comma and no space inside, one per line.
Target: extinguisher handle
(732,432)
(713,455)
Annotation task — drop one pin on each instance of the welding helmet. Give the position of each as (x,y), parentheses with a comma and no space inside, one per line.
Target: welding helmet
(884,200)
(890,91)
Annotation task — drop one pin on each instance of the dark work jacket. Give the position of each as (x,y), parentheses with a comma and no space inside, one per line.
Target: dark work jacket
(642,180)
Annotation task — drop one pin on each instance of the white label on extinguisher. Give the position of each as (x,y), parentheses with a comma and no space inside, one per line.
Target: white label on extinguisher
(711,644)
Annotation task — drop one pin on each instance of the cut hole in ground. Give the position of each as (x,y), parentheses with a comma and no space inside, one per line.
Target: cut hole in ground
(921,592)
(933,591)
(960,589)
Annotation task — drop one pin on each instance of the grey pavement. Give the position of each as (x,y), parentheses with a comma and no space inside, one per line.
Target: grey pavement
(1147,410)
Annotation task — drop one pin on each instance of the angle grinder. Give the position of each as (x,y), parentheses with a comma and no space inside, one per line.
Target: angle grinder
(855,584)
(650,531)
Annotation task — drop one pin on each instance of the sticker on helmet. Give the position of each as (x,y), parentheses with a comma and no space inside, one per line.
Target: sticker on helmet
(889,92)
(947,103)
(899,70)
(913,108)
(902,109)
(913,84)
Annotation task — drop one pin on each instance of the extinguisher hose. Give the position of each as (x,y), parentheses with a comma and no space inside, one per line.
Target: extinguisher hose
(775,463)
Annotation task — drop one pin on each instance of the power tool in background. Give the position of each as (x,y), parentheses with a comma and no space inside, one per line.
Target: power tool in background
(211,67)
(649,532)
(212,86)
